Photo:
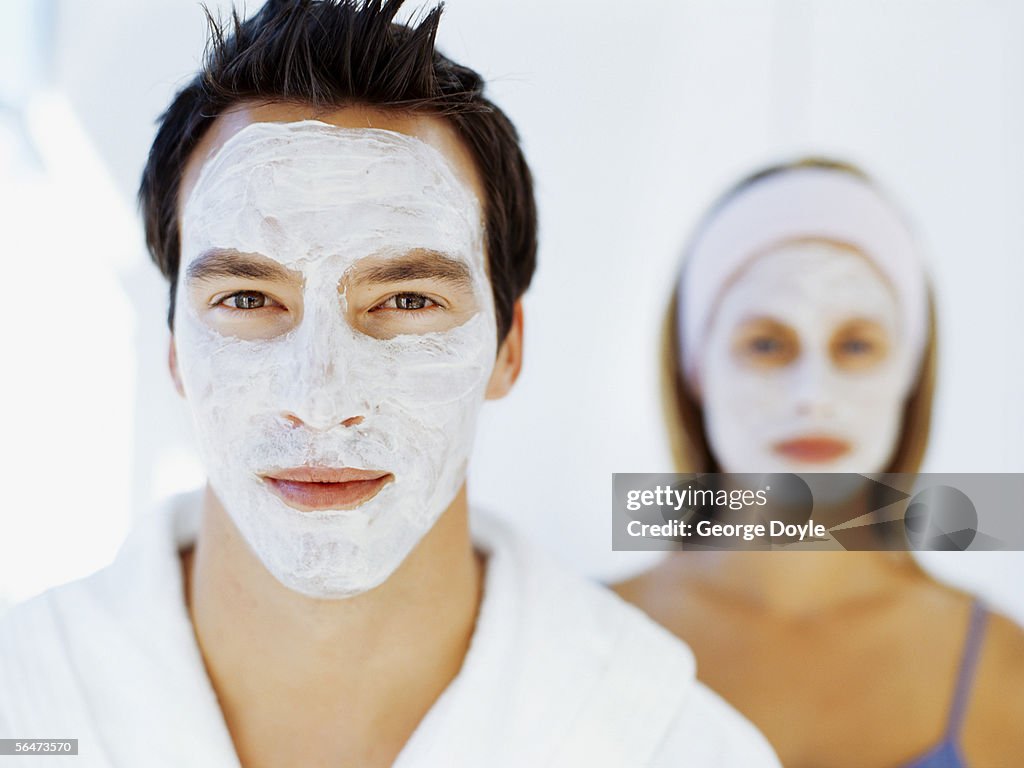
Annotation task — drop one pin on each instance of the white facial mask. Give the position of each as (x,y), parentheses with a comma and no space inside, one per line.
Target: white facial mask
(316,199)
(801,203)
(813,288)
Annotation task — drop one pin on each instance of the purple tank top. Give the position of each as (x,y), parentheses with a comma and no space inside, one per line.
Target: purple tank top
(947,754)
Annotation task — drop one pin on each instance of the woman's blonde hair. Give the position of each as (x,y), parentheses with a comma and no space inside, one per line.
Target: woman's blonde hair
(684,416)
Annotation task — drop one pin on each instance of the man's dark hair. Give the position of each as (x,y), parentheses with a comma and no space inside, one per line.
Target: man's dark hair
(334,53)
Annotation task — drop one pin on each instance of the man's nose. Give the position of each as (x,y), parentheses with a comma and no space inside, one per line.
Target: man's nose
(323,395)
(297,421)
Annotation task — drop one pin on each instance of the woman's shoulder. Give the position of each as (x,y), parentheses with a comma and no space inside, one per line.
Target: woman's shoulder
(1004,637)
(994,725)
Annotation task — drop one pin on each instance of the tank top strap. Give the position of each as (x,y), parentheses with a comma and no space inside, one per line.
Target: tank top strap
(968,665)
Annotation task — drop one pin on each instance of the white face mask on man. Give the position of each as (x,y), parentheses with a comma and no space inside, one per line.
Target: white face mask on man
(805,367)
(335,412)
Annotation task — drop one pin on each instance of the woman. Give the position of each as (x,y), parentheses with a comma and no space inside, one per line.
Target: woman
(801,338)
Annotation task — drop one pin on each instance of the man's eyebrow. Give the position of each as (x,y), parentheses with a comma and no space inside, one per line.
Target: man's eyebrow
(221,263)
(417,265)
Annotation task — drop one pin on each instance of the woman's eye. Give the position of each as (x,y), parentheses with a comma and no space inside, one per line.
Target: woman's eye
(248,300)
(859,346)
(408,301)
(765,345)
(856,347)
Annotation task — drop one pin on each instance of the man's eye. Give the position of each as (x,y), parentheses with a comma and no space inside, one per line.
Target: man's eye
(248,300)
(408,301)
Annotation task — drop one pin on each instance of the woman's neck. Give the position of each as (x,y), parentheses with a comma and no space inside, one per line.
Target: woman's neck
(794,584)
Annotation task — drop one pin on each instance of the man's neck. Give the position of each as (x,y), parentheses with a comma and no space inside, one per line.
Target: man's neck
(349,679)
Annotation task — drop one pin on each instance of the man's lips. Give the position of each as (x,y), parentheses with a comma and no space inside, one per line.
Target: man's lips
(318,488)
(813,448)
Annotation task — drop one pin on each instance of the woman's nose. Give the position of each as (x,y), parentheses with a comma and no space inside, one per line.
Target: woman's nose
(814,392)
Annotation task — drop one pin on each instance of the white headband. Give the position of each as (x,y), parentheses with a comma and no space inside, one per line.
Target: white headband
(790,205)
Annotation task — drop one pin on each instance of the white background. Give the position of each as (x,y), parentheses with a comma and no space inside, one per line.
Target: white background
(634,115)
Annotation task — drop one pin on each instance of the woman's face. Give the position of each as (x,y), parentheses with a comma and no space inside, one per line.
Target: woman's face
(804,368)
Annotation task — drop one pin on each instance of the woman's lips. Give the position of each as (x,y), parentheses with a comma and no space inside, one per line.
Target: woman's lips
(813,449)
(318,488)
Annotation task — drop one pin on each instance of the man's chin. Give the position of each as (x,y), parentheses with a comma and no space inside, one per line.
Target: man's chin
(334,590)
(325,580)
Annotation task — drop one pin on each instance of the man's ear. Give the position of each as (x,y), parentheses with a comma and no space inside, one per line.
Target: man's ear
(172,364)
(510,358)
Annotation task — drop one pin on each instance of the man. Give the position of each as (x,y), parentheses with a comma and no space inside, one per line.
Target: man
(347,226)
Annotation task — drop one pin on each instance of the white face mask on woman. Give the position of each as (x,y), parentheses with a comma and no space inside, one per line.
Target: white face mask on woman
(302,365)
(802,318)
(805,366)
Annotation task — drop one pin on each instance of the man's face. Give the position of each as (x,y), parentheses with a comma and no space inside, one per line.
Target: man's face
(334,333)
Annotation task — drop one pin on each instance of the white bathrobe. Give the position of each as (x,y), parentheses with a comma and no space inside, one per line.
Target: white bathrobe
(560,672)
